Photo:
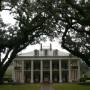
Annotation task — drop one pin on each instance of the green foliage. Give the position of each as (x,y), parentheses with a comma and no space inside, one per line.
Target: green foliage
(72,23)
(68,20)
(83,79)
(30,25)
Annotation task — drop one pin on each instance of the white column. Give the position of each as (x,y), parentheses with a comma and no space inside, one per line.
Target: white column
(50,71)
(60,72)
(32,81)
(69,70)
(22,79)
(78,62)
(41,71)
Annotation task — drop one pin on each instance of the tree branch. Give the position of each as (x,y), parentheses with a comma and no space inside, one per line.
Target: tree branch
(6,56)
(85,58)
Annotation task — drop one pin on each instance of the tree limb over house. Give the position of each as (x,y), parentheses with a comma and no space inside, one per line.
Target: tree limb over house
(66,19)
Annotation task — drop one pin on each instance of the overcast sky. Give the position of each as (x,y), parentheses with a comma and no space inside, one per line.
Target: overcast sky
(7,18)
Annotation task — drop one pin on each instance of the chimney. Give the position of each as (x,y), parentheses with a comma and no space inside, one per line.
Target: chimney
(41,46)
(50,46)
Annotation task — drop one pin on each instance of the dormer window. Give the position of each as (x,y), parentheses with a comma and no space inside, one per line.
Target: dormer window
(55,52)
(36,52)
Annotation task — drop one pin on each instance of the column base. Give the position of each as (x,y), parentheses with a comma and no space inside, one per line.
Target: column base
(51,81)
(70,81)
(32,81)
(60,81)
(41,81)
(22,81)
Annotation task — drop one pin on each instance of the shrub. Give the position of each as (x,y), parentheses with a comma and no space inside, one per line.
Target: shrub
(82,79)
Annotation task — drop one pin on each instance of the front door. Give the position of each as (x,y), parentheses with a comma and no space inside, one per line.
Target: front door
(46,76)
(64,76)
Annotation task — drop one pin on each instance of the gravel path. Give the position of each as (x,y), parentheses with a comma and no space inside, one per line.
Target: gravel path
(46,87)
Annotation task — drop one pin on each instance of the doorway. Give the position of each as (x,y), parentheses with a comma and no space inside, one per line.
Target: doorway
(46,76)
(64,76)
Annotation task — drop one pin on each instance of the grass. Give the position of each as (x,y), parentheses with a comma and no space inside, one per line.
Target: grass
(20,87)
(63,86)
(71,86)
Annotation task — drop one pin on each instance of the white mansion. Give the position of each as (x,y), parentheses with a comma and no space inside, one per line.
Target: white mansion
(46,65)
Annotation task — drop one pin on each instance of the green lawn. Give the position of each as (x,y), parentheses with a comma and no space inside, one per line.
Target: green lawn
(20,87)
(64,86)
(71,86)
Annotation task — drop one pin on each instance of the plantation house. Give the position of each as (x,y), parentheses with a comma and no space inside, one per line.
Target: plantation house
(46,65)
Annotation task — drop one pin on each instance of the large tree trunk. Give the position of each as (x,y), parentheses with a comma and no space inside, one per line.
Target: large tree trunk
(3,67)
(2,72)
(6,63)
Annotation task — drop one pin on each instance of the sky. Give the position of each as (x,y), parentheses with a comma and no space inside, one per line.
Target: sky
(7,18)
(55,45)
